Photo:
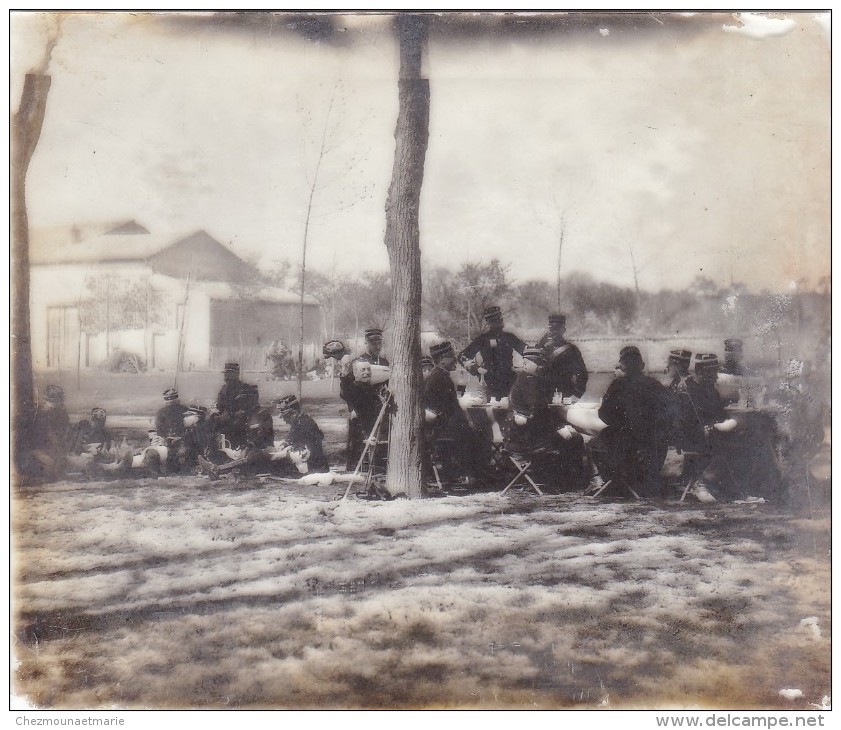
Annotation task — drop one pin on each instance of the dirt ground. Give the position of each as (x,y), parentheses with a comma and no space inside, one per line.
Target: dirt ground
(179,592)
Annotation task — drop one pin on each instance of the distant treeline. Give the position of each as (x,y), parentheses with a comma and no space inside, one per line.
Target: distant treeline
(779,326)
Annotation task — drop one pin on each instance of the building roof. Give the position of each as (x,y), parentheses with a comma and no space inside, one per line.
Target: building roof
(94,243)
(197,255)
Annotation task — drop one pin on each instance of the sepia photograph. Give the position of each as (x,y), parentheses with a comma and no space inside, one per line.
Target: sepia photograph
(421,360)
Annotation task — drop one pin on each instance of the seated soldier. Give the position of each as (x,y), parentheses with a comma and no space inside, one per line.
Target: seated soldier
(703,428)
(677,373)
(48,437)
(198,436)
(454,443)
(533,428)
(90,435)
(252,435)
(303,446)
(92,450)
(631,450)
(169,425)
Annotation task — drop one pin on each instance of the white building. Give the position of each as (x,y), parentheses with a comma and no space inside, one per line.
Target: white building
(125,293)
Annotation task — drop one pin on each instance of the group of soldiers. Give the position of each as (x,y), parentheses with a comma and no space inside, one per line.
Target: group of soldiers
(639,418)
(236,435)
(531,400)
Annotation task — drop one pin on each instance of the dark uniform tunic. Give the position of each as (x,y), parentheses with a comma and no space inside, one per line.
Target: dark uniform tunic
(304,432)
(681,411)
(530,395)
(226,400)
(169,421)
(365,399)
(705,407)
(556,463)
(565,369)
(638,413)
(497,358)
(454,442)
(198,440)
(50,432)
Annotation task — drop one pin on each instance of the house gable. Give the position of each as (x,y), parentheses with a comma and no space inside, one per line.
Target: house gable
(202,258)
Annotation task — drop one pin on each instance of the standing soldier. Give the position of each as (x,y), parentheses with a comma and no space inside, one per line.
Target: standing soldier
(491,354)
(565,369)
(364,398)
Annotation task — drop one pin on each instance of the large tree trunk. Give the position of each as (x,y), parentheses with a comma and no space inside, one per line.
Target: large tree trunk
(402,238)
(26,129)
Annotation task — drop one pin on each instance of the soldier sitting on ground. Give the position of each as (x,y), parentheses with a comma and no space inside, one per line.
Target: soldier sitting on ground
(92,448)
(251,436)
(169,425)
(304,444)
(47,438)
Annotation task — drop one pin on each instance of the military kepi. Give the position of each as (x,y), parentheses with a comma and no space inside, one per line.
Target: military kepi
(705,361)
(492,313)
(287,403)
(683,357)
(557,319)
(442,348)
(373,333)
(231,367)
(170,394)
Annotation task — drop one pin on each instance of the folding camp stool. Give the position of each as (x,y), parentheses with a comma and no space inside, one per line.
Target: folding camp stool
(696,473)
(523,467)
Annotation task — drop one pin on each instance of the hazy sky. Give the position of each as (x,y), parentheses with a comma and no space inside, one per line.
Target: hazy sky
(700,144)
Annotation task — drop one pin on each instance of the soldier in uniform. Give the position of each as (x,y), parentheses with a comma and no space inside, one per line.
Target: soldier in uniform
(226,401)
(305,438)
(638,414)
(198,436)
(364,399)
(456,446)
(491,354)
(565,369)
(532,427)
(169,425)
(677,373)
(427,366)
(92,431)
(704,425)
(49,436)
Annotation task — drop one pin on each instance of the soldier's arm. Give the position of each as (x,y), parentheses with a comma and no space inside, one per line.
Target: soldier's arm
(581,374)
(517,344)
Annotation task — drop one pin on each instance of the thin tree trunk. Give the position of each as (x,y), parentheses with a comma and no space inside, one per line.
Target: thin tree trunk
(26,129)
(321,152)
(402,238)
